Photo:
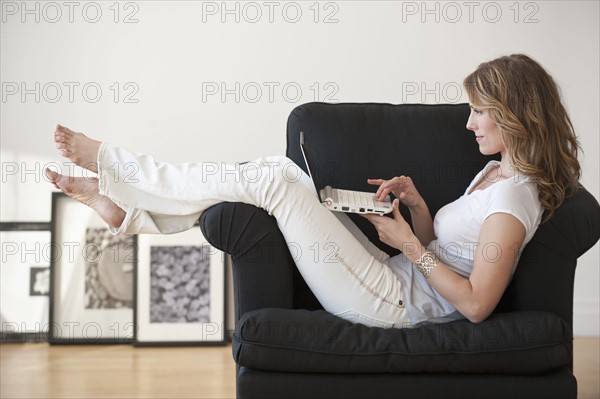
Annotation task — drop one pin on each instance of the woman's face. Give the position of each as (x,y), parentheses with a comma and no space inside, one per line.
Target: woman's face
(487,133)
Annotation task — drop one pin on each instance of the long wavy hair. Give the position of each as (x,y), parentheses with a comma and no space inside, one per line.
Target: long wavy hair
(525,102)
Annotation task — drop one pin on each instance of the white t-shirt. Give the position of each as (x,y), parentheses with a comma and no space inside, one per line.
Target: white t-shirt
(457,226)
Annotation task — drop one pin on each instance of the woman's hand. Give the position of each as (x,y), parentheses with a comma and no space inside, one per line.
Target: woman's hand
(402,187)
(396,232)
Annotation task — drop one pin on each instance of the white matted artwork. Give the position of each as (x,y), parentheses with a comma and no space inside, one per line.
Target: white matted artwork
(91,277)
(180,290)
(24,281)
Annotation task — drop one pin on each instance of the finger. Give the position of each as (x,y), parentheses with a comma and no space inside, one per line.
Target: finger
(403,187)
(382,185)
(384,189)
(407,183)
(402,180)
(380,194)
(396,209)
(375,182)
(389,186)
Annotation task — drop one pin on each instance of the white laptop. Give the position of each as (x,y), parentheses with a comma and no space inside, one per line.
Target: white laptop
(340,200)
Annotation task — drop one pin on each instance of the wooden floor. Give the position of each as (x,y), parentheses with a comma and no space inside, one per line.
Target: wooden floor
(121,371)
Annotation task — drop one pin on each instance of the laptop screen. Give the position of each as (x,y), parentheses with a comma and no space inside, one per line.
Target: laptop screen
(310,166)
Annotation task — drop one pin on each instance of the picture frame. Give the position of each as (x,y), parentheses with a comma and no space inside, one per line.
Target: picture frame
(24,281)
(180,291)
(92,274)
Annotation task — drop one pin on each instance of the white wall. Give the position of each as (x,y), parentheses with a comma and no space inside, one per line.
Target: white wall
(166,62)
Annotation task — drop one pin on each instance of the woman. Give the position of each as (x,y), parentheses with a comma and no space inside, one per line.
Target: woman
(455,266)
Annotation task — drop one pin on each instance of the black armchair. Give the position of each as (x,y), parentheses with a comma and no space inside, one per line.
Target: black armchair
(286,346)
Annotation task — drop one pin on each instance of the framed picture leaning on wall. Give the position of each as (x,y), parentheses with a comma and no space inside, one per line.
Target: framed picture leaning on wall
(92,274)
(24,281)
(180,291)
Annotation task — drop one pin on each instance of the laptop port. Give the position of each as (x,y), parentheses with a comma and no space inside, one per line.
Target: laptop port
(361,210)
(345,208)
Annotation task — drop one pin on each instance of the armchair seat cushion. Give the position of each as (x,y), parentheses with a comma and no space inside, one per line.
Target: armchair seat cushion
(285,340)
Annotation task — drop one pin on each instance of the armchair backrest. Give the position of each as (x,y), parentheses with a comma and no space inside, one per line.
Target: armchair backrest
(350,143)
(545,275)
(430,143)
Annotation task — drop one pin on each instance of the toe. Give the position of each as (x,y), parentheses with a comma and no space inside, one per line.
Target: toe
(64,130)
(68,131)
(60,137)
(64,153)
(52,175)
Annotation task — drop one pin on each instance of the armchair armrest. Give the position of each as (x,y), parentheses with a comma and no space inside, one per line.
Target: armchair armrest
(264,273)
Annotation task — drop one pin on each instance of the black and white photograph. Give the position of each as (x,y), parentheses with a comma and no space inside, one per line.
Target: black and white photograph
(39,281)
(91,277)
(180,291)
(180,284)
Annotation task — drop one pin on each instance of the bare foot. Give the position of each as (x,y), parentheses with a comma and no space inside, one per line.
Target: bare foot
(85,190)
(79,148)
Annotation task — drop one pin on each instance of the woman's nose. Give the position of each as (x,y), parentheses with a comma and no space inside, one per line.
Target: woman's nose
(470,123)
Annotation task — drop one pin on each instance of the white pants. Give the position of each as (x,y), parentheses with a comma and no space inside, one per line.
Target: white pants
(347,274)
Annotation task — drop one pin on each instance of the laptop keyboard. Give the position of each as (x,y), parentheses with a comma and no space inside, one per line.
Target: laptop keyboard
(353,197)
